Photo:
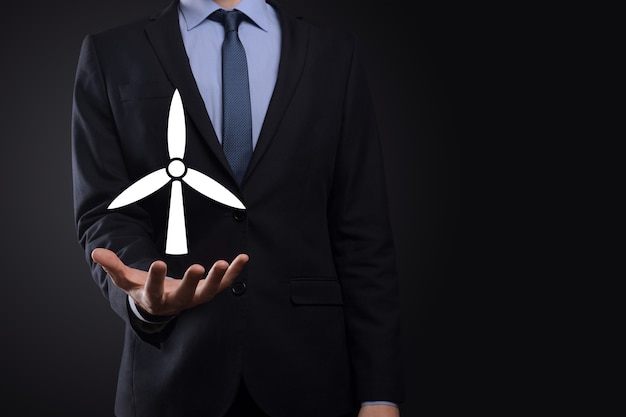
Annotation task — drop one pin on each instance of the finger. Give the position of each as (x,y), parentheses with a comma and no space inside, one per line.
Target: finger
(221,276)
(153,289)
(210,285)
(235,268)
(113,266)
(185,293)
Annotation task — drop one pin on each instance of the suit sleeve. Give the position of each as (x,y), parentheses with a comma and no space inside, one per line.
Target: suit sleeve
(99,174)
(364,250)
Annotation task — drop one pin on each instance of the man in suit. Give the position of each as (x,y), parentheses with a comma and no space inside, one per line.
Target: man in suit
(298,314)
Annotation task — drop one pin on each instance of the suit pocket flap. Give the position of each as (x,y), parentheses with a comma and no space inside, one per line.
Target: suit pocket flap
(315,292)
(142,91)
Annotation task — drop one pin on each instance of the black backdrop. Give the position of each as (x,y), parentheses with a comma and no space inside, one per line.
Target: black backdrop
(433,76)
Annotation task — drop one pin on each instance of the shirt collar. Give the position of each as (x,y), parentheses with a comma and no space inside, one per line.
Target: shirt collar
(196,11)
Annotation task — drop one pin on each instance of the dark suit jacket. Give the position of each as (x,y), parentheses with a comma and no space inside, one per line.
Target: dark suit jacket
(317,329)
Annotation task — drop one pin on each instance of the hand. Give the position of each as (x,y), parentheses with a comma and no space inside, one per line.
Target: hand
(379,411)
(165,297)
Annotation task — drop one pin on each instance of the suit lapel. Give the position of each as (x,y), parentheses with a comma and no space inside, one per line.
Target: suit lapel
(294,45)
(163,31)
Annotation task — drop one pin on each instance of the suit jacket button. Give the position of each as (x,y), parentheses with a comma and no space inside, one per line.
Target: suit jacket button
(239,288)
(239,215)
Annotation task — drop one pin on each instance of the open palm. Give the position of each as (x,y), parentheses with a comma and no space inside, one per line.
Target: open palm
(159,296)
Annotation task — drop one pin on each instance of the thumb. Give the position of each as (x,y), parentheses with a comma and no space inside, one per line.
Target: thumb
(107,259)
(111,264)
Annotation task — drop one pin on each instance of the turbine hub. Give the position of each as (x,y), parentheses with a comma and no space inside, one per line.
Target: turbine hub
(176,168)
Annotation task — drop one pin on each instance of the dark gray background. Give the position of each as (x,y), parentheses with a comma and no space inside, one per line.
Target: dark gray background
(437,78)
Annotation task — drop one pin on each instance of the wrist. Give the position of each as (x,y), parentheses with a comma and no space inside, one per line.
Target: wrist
(143,315)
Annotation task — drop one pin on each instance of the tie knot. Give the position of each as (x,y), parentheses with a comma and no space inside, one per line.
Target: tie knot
(229,18)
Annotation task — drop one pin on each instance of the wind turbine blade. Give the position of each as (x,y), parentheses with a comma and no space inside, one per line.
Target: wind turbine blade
(141,188)
(207,186)
(176,238)
(176,130)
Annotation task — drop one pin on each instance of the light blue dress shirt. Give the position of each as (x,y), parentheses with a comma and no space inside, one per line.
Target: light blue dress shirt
(203,43)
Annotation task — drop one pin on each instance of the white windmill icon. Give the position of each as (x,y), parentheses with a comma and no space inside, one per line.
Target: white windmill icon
(174,173)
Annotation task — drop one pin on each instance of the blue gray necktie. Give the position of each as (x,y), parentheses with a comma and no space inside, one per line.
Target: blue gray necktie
(237,116)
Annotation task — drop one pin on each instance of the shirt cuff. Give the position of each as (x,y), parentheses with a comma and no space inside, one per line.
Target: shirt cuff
(152,319)
(363,404)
